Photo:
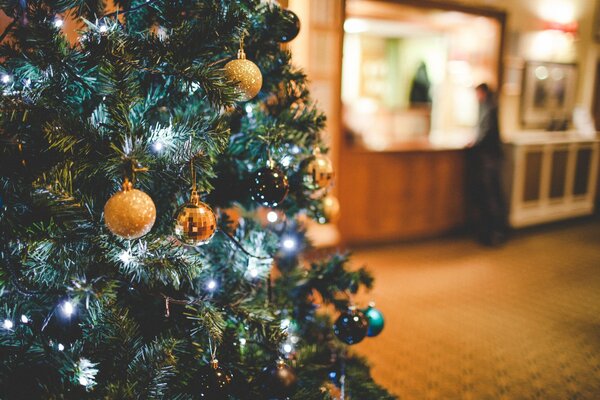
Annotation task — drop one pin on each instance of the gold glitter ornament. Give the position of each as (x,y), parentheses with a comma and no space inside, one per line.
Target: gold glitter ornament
(196,223)
(331,208)
(318,173)
(245,75)
(129,213)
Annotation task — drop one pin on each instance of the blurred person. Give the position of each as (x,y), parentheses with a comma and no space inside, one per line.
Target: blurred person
(484,162)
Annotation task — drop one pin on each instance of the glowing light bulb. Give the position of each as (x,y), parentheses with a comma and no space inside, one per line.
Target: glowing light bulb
(158,146)
(285,323)
(253,272)
(211,285)
(83,381)
(24,319)
(272,216)
(67,308)
(289,244)
(243,341)
(8,324)
(6,78)
(125,257)
(61,347)
(103,28)
(287,348)
(294,339)
(58,23)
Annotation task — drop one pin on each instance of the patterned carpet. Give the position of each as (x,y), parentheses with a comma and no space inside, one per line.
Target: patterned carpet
(467,322)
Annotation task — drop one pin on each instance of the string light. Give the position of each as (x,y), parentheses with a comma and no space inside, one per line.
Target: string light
(288,348)
(8,324)
(83,381)
(211,285)
(285,323)
(61,347)
(289,243)
(243,341)
(158,146)
(126,257)
(272,216)
(58,23)
(103,28)
(24,319)
(67,308)
(5,78)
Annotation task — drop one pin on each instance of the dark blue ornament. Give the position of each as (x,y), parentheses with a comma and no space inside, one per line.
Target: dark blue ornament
(269,186)
(375,319)
(288,28)
(351,326)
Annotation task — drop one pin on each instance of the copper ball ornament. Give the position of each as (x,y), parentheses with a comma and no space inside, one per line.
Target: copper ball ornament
(129,213)
(318,171)
(279,380)
(331,208)
(196,223)
(245,75)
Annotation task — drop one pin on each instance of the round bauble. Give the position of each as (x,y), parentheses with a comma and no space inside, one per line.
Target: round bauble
(318,171)
(215,382)
(279,380)
(245,75)
(351,326)
(375,319)
(288,27)
(331,208)
(129,213)
(269,186)
(196,223)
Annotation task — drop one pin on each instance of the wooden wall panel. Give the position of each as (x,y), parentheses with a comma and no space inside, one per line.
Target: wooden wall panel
(392,196)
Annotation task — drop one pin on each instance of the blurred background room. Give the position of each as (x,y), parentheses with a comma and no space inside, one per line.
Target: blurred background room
(396,78)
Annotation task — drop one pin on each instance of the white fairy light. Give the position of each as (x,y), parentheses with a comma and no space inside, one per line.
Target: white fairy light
(285,323)
(243,341)
(8,324)
(126,256)
(58,23)
(24,319)
(67,308)
(272,216)
(158,146)
(83,381)
(288,348)
(61,347)
(211,285)
(103,28)
(286,161)
(5,78)
(289,243)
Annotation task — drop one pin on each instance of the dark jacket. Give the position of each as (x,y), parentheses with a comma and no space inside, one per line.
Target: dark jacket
(488,141)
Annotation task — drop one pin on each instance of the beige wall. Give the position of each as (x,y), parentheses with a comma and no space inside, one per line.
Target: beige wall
(525,17)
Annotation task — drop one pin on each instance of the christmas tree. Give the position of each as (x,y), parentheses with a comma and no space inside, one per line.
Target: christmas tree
(152,170)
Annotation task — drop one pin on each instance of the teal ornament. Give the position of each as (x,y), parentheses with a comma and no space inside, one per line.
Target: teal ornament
(376,320)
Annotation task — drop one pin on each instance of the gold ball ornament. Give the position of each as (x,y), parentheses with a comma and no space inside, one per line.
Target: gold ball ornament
(318,173)
(196,223)
(331,208)
(129,213)
(245,75)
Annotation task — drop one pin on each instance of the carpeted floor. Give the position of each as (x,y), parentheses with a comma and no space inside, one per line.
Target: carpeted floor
(467,322)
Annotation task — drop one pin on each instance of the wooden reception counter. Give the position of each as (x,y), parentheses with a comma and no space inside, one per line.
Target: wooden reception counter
(412,192)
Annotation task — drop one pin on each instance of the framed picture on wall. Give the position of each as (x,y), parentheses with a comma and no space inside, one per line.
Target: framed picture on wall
(548,94)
